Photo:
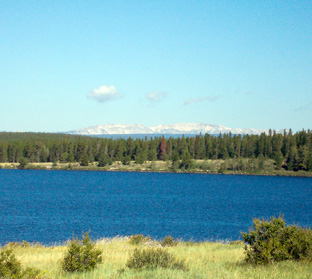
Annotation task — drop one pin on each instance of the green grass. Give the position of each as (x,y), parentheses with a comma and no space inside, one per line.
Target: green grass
(204,260)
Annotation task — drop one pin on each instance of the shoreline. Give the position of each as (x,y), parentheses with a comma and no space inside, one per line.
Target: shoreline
(154,167)
(62,243)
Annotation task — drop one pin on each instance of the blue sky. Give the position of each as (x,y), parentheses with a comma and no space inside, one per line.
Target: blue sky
(65,65)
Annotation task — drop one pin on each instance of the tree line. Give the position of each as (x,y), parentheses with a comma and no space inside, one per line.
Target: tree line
(292,151)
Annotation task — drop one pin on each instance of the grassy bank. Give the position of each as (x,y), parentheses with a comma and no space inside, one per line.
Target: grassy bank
(199,166)
(204,260)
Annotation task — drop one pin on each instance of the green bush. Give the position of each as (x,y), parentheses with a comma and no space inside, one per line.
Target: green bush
(154,258)
(10,267)
(31,273)
(23,162)
(236,242)
(81,255)
(138,239)
(168,241)
(273,241)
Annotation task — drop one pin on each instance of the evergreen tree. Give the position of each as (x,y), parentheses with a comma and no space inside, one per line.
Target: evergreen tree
(152,153)
(70,158)
(81,150)
(64,157)
(162,150)
(3,152)
(278,158)
(292,158)
(295,149)
(140,157)
(303,158)
(186,163)
(84,160)
(104,160)
(309,163)
(126,160)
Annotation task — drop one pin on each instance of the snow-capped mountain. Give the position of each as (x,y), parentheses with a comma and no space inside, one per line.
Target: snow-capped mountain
(189,128)
(113,129)
(178,128)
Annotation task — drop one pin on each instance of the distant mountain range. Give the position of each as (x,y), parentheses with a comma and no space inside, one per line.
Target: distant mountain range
(174,129)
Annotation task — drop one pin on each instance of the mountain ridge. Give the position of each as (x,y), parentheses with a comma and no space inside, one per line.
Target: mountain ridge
(177,128)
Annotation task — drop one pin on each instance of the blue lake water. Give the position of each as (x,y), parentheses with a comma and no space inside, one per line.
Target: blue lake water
(51,206)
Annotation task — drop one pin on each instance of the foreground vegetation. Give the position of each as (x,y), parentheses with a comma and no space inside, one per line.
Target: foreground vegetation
(256,154)
(204,260)
(274,250)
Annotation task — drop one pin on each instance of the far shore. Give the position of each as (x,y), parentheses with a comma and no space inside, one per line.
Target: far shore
(156,166)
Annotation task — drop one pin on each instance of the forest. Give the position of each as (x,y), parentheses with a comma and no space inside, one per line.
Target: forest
(289,151)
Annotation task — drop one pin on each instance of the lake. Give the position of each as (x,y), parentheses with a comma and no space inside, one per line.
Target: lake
(51,206)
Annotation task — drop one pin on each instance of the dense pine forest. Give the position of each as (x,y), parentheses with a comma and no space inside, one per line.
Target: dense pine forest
(289,151)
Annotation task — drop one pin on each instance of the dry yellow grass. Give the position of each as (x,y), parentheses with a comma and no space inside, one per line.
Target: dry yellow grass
(204,260)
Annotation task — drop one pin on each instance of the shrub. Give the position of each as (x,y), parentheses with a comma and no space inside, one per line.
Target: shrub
(207,166)
(222,168)
(23,162)
(54,164)
(273,241)
(154,258)
(30,272)
(169,242)
(25,244)
(236,242)
(12,245)
(138,239)
(10,267)
(81,255)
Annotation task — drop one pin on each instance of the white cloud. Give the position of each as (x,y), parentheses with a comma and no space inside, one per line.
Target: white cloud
(210,99)
(154,97)
(104,94)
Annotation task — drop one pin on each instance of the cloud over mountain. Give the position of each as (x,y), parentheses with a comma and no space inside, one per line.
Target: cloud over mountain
(104,94)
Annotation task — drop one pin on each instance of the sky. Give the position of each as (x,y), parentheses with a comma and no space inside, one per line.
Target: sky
(66,65)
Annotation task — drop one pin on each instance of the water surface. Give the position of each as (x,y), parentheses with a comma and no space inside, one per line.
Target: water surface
(51,206)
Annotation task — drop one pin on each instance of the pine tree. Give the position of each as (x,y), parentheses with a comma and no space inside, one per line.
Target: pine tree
(3,152)
(84,160)
(186,163)
(104,160)
(292,158)
(162,150)
(309,163)
(278,158)
(303,157)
